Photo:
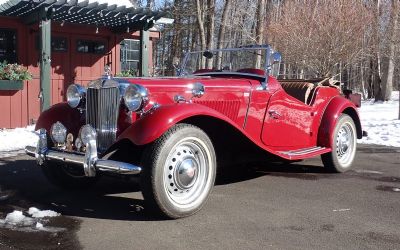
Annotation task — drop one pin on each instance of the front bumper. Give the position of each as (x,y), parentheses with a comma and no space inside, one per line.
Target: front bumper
(89,161)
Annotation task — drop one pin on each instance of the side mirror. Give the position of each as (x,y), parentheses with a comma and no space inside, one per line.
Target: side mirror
(276,58)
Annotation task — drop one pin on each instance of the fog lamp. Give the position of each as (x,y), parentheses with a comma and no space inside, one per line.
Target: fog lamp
(87,133)
(58,133)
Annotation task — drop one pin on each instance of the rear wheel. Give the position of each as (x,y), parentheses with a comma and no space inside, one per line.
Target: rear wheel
(179,171)
(343,146)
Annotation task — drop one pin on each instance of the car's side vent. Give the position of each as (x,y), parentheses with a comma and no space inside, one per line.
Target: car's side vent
(228,108)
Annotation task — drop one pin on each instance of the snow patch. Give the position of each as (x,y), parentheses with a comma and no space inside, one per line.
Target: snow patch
(39,225)
(13,140)
(36,213)
(380,120)
(17,220)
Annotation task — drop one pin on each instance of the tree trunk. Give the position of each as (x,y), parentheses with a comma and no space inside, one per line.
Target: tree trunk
(210,29)
(362,81)
(260,29)
(200,22)
(387,79)
(221,33)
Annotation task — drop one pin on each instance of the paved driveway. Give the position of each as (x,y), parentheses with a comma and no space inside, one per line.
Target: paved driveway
(257,206)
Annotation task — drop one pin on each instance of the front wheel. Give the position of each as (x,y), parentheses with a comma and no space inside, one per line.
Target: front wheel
(179,171)
(344,144)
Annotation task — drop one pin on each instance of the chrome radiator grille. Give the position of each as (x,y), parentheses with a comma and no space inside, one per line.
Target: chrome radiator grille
(102,108)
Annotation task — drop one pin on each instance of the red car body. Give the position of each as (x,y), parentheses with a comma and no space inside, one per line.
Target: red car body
(236,101)
(172,130)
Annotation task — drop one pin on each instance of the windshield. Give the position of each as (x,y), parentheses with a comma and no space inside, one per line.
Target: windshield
(251,60)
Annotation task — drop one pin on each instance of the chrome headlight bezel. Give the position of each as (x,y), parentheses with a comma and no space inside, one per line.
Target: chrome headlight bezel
(136,97)
(86,134)
(75,95)
(58,133)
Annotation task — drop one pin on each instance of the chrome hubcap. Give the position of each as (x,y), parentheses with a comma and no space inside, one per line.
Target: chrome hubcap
(186,173)
(344,144)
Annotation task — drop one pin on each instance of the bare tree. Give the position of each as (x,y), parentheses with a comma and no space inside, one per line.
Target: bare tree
(260,18)
(321,42)
(221,32)
(389,60)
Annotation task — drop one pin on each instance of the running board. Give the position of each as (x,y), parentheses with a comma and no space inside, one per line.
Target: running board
(303,153)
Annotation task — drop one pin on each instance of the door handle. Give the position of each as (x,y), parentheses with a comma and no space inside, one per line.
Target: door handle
(274,114)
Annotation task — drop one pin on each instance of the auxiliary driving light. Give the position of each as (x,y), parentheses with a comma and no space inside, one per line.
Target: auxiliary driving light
(87,133)
(58,133)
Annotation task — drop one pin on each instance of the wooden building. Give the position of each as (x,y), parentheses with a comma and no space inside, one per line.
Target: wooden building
(63,42)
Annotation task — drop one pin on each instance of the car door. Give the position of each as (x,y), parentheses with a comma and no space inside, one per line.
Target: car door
(287,122)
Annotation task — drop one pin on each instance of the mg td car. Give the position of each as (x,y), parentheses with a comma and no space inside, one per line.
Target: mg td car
(174,132)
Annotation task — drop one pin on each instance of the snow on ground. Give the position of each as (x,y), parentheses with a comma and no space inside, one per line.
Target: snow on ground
(13,141)
(17,220)
(36,213)
(379,119)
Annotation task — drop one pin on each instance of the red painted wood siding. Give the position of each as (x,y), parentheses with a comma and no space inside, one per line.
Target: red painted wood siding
(20,108)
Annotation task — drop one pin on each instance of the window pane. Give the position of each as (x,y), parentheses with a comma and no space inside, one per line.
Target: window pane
(93,47)
(8,46)
(99,48)
(59,44)
(82,46)
(130,55)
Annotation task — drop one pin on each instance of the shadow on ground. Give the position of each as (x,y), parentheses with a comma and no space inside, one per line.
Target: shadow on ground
(120,199)
(115,198)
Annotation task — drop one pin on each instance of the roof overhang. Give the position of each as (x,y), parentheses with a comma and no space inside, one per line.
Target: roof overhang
(117,18)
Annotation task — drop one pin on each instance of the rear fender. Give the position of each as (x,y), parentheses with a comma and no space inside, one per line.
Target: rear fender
(153,125)
(337,106)
(71,118)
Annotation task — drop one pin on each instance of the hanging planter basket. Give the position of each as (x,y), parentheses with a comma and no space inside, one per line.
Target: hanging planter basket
(11,85)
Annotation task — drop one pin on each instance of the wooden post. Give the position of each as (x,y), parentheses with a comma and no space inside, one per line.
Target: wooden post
(45,57)
(144,53)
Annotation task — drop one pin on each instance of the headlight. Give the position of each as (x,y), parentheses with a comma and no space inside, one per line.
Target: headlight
(75,94)
(136,97)
(86,134)
(58,133)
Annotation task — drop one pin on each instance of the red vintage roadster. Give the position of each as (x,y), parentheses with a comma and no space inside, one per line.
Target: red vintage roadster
(172,131)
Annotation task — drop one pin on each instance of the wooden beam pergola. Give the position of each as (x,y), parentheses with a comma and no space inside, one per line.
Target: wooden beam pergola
(118,19)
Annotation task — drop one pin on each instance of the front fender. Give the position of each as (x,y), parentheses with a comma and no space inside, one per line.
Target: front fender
(153,125)
(337,106)
(71,118)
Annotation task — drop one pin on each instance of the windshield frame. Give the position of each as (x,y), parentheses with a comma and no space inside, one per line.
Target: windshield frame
(267,65)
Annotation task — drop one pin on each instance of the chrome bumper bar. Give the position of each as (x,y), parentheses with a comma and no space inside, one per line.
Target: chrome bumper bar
(89,161)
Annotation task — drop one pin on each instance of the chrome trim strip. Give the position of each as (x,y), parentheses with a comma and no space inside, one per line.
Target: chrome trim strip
(302,151)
